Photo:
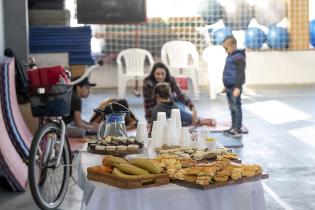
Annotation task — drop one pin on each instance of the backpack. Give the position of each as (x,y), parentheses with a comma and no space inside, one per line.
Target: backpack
(21,83)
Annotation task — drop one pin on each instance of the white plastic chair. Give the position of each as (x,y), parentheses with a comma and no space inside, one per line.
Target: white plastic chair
(134,60)
(215,57)
(182,58)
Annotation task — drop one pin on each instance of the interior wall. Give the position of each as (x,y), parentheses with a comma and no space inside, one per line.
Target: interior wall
(280,67)
(1,29)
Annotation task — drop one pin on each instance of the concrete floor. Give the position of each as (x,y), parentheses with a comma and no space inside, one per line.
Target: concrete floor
(281,123)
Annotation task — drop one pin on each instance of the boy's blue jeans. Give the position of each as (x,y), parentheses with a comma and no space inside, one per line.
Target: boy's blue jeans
(235,105)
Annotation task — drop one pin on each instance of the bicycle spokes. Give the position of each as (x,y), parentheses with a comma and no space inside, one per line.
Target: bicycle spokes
(48,179)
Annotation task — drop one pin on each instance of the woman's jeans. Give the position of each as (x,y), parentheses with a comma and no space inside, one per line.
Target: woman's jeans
(185,116)
(235,105)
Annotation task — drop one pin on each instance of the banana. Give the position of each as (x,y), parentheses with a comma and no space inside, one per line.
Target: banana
(111,160)
(145,178)
(130,169)
(146,164)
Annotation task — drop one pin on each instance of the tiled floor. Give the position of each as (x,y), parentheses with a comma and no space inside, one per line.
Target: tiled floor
(281,123)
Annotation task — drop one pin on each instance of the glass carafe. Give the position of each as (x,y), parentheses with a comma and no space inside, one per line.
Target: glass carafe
(115,125)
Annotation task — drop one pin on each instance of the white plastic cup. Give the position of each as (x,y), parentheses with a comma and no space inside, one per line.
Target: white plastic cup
(210,143)
(171,132)
(184,137)
(155,135)
(142,133)
(203,133)
(161,118)
(175,116)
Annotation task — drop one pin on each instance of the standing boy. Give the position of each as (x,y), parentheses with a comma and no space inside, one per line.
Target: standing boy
(233,80)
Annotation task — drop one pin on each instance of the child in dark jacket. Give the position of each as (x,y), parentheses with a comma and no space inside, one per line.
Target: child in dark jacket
(233,80)
(162,93)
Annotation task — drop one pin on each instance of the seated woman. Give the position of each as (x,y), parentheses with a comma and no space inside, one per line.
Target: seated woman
(130,119)
(160,74)
(162,93)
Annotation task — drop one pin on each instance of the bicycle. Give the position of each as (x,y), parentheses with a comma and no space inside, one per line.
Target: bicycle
(50,162)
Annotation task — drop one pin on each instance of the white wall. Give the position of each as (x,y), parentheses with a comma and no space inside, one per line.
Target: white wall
(1,29)
(277,67)
(51,59)
(263,68)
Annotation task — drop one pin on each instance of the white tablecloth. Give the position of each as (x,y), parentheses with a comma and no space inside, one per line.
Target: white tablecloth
(99,196)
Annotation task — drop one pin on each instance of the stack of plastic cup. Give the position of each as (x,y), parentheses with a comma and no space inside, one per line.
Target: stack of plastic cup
(142,133)
(155,135)
(184,137)
(171,134)
(161,118)
(175,116)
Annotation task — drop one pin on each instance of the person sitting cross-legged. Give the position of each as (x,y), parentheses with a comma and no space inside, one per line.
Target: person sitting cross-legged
(76,126)
(162,93)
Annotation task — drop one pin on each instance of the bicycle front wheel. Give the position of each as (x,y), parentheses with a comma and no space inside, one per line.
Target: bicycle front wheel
(49,181)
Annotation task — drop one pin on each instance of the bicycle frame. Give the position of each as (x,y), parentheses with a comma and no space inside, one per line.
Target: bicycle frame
(62,139)
(62,125)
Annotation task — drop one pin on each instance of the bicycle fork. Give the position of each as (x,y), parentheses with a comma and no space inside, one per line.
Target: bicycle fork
(50,146)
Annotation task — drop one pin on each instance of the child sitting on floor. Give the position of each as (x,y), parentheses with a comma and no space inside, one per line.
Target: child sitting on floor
(162,93)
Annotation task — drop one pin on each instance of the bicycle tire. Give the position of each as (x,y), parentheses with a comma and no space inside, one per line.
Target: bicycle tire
(37,153)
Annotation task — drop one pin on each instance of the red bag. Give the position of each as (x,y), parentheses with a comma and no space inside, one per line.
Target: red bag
(47,76)
(182,82)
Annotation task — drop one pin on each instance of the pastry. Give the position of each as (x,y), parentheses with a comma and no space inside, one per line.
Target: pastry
(180,174)
(193,171)
(198,156)
(248,173)
(203,180)
(111,148)
(190,178)
(208,171)
(236,175)
(221,178)
(122,148)
(133,147)
(100,147)
(223,173)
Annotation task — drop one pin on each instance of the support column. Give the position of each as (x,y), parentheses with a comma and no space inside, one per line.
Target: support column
(16,27)
(1,29)
(298,15)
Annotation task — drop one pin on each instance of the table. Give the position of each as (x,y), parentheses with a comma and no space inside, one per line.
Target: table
(99,196)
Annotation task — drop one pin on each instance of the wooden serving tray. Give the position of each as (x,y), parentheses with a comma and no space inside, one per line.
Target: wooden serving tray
(219,184)
(209,160)
(110,179)
(118,153)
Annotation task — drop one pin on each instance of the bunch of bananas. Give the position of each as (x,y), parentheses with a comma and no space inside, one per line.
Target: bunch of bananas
(134,169)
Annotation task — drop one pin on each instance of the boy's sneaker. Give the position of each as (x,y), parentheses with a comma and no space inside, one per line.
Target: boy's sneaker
(233,133)
(228,130)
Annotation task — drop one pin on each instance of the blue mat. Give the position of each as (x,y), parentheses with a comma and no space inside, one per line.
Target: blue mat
(74,40)
(227,141)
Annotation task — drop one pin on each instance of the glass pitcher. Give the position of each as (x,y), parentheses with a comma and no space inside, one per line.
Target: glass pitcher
(113,124)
